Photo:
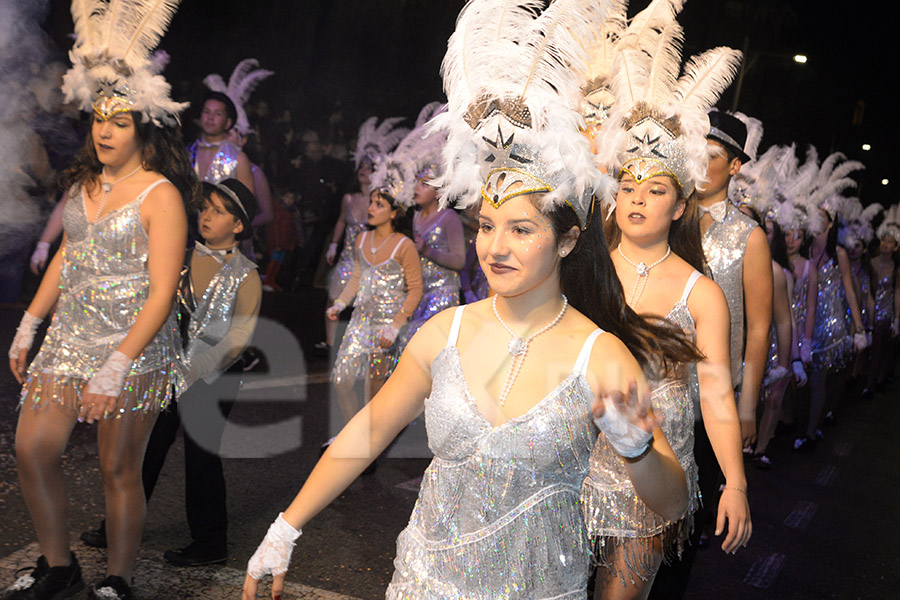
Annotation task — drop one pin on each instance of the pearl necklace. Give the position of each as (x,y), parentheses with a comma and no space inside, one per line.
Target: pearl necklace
(643,274)
(372,249)
(107,189)
(518,347)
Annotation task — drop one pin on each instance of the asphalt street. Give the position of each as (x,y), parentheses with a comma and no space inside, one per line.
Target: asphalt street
(824,523)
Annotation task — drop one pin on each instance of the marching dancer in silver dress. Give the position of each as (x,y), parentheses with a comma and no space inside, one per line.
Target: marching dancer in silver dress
(886,318)
(498,514)
(654,240)
(111,353)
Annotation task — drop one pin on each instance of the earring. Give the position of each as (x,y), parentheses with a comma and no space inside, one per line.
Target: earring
(562,252)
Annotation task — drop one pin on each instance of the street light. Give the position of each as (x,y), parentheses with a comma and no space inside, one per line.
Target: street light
(800,59)
(866,147)
(884,181)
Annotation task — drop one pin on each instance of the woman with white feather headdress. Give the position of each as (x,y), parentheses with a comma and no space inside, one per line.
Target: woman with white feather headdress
(886,289)
(111,353)
(511,448)
(838,325)
(655,139)
(373,142)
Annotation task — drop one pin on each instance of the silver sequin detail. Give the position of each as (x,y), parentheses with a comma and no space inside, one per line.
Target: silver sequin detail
(498,514)
(343,267)
(884,301)
(725,244)
(224,163)
(832,344)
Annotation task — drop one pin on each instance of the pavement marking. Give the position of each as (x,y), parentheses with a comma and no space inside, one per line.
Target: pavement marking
(801,515)
(155,578)
(764,570)
(286,381)
(827,475)
(843,449)
(412,485)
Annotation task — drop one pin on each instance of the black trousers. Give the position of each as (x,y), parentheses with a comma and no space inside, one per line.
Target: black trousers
(672,580)
(203,410)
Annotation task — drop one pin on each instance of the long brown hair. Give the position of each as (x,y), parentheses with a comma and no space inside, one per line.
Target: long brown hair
(162,150)
(588,279)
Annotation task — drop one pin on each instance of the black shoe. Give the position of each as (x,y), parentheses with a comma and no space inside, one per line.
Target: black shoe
(44,582)
(762,462)
(804,444)
(112,588)
(195,555)
(867,394)
(95,538)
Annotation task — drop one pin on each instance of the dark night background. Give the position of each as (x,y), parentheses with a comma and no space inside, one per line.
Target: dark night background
(382,57)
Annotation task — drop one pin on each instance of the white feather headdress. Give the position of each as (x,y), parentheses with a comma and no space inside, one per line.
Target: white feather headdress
(374,141)
(890,226)
(856,222)
(512,74)
(417,156)
(659,121)
(832,180)
(244,79)
(112,70)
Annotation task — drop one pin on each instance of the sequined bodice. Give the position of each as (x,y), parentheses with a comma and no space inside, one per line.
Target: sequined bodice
(434,276)
(724,245)
(223,165)
(832,345)
(498,514)
(382,288)
(884,300)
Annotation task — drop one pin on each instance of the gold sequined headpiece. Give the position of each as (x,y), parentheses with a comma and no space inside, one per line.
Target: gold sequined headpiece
(513,120)
(112,67)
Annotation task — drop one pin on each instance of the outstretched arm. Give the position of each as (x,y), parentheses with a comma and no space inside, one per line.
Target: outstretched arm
(720,418)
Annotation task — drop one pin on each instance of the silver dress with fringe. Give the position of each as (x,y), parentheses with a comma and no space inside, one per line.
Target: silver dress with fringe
(104,283)
(343,267)
(832,344)
(613,512)
(498,514)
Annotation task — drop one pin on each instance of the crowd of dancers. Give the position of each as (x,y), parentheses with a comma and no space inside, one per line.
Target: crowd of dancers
(603,296)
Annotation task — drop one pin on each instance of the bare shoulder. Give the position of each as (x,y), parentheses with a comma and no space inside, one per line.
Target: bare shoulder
(163,199)
(432,337)
(707,300)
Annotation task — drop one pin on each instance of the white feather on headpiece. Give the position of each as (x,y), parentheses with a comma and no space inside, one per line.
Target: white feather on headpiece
(856,222)
(374,141)
(754,134)
(418,155)
(111,58)
(832,180)
(890,226)
(512,75)
(244,79)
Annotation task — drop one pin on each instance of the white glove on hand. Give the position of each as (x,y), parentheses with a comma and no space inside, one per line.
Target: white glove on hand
(859,341)
(335,310)
(110,378)
(274,553)
(25,332)
(806,351)
(39,257)
(390,333)
(628,439)
(799,373)
(331,253)
(775,374)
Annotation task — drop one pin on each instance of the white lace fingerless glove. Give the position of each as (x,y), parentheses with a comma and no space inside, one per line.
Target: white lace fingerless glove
(806,351)
(25,332)
(41,252)
(799,372)
(628,439)
(390,333)
(859,341)
(335,309)
(274,553)
(774,375)
(110,378)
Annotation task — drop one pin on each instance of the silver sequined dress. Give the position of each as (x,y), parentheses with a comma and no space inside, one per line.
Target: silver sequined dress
(612,510)
(343,267)
(103,286)
(440,285)
(798,302)
(884,301)
(223,165)
(725,244)
(382,290)
(498,515)
(832,344)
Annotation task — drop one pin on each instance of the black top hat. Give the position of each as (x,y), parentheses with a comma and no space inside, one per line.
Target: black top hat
(236,193)
(730,132)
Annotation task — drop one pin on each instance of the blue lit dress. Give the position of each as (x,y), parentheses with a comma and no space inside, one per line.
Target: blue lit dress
(103,286)
(440,285)
(612,509)
(832,344)
(498,515)
(884,301)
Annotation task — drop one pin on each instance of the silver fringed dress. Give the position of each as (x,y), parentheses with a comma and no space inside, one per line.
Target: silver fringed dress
(832,344)
(613,511)
(103,286)
(343,267)
(382,291)
(498,515)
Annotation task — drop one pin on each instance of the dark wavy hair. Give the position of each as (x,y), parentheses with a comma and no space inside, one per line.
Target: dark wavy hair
(402,223)
(162,150)
(684,233)
(588,279)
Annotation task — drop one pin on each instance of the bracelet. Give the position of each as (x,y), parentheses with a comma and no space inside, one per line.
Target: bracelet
(646,451)
(736,489)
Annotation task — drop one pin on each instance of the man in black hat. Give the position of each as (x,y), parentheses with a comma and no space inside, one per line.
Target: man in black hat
(213,157)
